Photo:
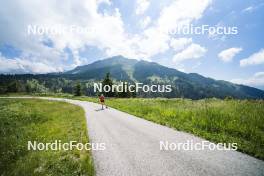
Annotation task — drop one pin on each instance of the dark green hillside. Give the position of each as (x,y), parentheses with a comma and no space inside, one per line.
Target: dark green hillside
(190,85)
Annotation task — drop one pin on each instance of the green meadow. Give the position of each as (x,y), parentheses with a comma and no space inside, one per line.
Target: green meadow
(220,121)
(43,121)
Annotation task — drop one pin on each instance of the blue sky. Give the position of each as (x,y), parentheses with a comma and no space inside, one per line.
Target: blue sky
(136,29)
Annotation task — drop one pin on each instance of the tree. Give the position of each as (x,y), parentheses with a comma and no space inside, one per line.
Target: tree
(13,86)
(107,81)
(35,86)
(78,91)
(3,89)
(127,94)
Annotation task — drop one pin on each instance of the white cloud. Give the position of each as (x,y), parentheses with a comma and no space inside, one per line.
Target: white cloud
(108,2)
(257,80)
(228,54)
(156,39)
(145,22)
(248,9)
(181,69)
(18,65)
(110,35)
(259,74)
(252,8)
(181,12)
(141,6)
(255,59)
(194,51)
(180,43)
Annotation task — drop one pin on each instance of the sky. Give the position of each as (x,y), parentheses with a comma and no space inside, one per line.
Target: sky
(138,29)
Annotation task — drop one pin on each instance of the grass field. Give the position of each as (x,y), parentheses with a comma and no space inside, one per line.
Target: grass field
(44,121)
(225,121)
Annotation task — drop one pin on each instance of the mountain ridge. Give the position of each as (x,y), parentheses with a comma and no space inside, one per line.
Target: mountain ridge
(146,72)
(184,85)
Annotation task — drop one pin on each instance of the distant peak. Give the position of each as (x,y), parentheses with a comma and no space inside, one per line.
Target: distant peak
(119,56)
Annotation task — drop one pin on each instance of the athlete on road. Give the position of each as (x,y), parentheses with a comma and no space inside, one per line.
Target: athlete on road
(102,101)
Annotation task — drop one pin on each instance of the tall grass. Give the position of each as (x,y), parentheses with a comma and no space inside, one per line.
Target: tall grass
(43,121)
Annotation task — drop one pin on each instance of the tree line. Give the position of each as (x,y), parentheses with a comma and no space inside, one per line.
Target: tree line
(51,84)
(106,81)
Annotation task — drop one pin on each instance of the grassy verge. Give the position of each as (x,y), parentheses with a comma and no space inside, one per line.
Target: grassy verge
(43,121)
(221,121)
(21,94)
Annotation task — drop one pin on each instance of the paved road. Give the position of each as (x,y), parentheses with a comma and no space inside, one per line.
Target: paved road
(133,149)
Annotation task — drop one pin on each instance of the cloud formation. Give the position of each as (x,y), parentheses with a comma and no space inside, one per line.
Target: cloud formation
(255,59)
(228,54)
(141,6)
(194,51)
(20,65)
(145,22)
(110,36)
(252,8)
(257,80)
(180,43)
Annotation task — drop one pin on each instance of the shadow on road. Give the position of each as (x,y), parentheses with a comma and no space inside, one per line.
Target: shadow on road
(99,109)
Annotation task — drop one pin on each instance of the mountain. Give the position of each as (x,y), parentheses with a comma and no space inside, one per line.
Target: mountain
(120,68)
(185,85)
(190,85)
